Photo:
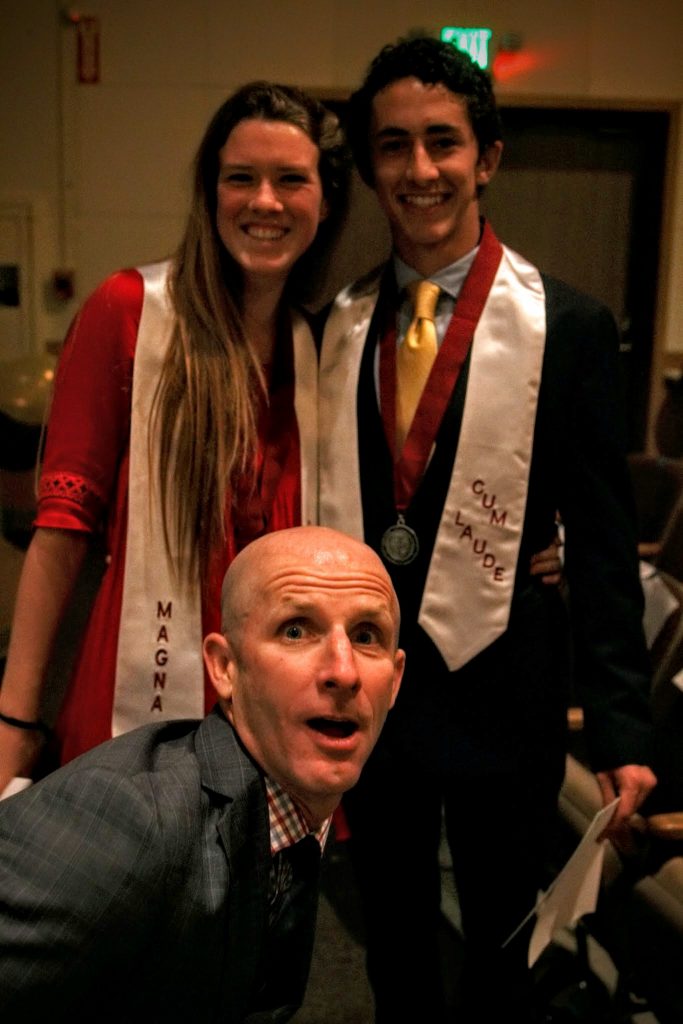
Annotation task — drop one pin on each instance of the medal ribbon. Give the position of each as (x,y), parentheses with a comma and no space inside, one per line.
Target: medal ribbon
(409,467)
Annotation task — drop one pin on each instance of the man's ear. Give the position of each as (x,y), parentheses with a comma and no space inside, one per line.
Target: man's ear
(487,165)
(399,666)
(220,663)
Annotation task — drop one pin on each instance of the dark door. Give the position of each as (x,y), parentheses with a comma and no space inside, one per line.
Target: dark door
(579,193)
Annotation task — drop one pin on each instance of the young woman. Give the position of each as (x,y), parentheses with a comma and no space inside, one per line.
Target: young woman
(183,426)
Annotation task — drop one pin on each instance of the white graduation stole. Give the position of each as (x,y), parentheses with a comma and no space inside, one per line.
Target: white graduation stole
(159,667)
(340,361)
(469,585)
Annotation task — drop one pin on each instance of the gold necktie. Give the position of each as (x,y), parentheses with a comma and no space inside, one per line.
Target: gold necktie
(415,356)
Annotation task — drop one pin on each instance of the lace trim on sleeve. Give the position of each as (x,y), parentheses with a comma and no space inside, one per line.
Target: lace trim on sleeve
(66,487)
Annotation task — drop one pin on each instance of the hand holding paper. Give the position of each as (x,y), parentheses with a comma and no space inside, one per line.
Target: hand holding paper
(575,890)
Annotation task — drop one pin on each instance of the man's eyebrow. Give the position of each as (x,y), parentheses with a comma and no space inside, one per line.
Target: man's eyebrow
(431,129)
(296,607)
(391,130)
(439,129)
(370,609)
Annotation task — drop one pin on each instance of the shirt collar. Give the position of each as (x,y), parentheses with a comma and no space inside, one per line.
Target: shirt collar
(287,823)
(449,279)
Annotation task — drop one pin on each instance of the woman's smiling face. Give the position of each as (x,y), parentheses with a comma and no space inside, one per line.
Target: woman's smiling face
(270,197)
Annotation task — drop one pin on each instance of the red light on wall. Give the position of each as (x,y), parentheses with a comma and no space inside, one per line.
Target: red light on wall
(507,65)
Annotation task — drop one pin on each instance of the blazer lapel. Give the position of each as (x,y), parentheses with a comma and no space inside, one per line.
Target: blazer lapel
(243,832)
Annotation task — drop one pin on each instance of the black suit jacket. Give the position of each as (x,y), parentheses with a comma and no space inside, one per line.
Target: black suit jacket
(134,885)
(506,709)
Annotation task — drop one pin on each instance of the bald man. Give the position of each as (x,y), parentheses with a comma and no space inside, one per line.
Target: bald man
(171,873)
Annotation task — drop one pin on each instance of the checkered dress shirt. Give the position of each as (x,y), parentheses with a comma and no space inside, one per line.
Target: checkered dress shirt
(287,827)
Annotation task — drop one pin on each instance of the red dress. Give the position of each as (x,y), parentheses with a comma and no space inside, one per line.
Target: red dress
(84,487)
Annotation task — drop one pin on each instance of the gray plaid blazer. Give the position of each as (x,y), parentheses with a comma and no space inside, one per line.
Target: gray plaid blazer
(134,884)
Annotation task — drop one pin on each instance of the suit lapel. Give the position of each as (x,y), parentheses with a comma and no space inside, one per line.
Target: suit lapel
(243,833)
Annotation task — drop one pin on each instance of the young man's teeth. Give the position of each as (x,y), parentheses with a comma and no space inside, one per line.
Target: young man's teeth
(431,200)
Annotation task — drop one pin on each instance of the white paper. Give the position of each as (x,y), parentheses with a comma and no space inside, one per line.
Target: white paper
(660,602)
(15,786)
(575,890)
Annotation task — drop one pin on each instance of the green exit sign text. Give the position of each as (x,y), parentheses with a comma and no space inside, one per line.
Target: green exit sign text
(474,41)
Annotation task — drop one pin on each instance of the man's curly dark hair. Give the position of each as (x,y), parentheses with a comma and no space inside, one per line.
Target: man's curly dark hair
(432,62)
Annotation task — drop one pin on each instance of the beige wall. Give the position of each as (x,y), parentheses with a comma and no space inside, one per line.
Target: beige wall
(106,165)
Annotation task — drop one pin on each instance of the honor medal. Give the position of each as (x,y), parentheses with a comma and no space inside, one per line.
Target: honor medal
(400,544)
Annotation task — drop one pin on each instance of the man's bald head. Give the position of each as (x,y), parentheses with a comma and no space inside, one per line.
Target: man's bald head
(315,545)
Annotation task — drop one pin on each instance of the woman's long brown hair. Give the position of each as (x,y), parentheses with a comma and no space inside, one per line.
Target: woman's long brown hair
(206,401)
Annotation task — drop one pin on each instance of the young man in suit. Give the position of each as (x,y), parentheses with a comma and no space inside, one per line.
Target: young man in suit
(456,421)
(171,874)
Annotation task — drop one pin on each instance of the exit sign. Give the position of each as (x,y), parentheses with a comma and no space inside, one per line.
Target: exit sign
(474,41)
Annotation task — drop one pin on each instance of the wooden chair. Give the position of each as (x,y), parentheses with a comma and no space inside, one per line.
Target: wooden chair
(669,558)
(657,488)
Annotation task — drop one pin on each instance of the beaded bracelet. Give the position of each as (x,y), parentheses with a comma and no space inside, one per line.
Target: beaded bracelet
(20,723)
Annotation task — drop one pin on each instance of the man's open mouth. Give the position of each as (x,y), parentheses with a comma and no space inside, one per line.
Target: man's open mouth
(334,728)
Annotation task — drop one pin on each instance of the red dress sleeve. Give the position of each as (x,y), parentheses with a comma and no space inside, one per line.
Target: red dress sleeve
(89,427)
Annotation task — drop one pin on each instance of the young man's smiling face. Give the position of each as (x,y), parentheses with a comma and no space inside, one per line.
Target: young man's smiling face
(427,169)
